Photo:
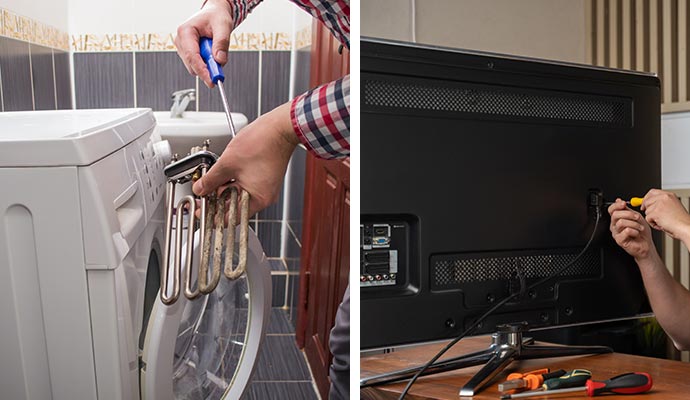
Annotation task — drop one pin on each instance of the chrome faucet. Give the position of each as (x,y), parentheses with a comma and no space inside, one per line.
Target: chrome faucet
(181,100)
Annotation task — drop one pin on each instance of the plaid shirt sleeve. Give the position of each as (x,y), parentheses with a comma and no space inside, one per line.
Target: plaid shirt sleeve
(242,8)
(321,119)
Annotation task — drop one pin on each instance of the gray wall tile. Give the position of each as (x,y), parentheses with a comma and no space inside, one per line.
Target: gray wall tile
(293,298)
(269,233)
(302,66)
(280,360)
(275,79)
(63,80)
(277,264)
(292,247)
(278,287)
(159,74)
(42,72)
(279,324)
(293,264)
(16,75)
(296,227)
(104,80)
(241,86)
(287,390)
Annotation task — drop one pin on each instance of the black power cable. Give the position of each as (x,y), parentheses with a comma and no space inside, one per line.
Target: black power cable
(501,303)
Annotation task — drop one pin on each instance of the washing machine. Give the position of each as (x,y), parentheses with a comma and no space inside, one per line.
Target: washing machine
(81,236)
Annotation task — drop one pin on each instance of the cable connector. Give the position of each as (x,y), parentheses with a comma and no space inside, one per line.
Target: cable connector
(595,199)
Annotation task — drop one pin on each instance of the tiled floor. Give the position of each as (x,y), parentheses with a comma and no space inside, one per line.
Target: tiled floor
(282,371)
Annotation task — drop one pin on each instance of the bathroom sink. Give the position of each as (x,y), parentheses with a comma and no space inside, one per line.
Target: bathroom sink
(195,127)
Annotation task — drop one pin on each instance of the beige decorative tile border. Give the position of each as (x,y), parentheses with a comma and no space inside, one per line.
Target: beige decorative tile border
(303,37)
(23,28)
(165,41)
(122,42)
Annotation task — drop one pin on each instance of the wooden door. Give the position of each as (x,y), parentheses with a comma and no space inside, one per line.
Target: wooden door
(325,260)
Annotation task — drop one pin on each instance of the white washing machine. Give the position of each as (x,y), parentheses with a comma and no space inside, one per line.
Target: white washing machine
(81,236)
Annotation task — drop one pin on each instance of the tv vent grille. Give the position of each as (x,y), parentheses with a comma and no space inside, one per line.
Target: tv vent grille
(498,101)
(453,271)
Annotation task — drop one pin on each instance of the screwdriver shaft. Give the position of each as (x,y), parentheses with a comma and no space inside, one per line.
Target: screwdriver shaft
(543,393)
(227,109)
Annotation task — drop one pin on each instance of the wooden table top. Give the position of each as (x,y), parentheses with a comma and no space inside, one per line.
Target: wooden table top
(671,378)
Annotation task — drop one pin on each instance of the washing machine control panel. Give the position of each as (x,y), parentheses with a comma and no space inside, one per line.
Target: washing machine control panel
(151,156)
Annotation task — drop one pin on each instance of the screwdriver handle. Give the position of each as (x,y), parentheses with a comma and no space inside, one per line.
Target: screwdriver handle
(535,381)
(630,383)
(206,50)
(520,375)
(554,374)
(576,377)
(636,201)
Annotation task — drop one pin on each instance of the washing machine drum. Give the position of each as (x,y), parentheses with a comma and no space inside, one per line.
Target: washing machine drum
(207,348)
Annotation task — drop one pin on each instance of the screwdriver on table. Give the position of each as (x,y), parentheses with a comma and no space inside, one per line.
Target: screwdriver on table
(630,383)
(217,76)
(529,380)
(574,378)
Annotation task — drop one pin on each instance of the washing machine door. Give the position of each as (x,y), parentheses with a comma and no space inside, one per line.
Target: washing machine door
(207,348)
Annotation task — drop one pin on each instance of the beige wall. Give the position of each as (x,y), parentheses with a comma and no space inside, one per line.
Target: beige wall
(552,29)
(49,12)
(388,19)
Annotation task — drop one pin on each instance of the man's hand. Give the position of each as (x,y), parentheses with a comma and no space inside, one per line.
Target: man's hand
(631,231)
(256,159)
(665,212)
(213,21)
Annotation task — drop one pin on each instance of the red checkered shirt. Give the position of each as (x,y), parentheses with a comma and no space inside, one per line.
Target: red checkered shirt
(321,116)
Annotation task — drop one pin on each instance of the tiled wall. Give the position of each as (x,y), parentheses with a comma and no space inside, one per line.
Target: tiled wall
(147,79)
(33,77)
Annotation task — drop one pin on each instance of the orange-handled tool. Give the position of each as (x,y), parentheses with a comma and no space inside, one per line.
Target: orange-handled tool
(528,381)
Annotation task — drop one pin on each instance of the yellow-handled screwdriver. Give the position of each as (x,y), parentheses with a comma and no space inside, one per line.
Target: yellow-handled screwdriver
(633,202)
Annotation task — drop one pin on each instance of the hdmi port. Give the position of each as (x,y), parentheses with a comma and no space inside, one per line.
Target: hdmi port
(381,230)
(382,256)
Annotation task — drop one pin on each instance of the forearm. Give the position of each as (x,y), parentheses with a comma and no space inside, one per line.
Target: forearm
(684,235)
(668,298)
(321,119)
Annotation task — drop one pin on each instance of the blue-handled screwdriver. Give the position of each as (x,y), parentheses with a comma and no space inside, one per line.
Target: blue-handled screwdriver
(217,76)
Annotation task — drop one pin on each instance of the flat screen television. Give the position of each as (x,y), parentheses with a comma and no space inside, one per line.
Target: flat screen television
(476,175)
